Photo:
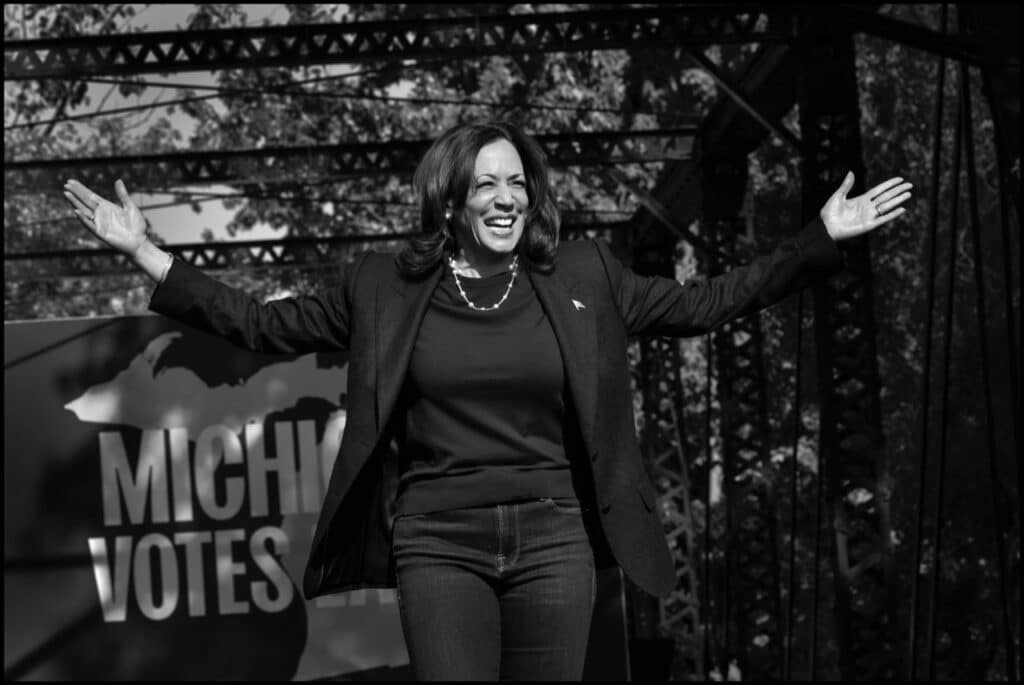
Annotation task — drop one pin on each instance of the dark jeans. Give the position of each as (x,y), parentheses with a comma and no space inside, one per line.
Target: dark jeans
(504,591)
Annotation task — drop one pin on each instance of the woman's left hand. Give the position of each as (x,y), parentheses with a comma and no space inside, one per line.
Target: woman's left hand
(846,217)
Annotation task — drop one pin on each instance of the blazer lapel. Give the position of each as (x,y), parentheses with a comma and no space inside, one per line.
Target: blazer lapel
(571,311)
(401,305)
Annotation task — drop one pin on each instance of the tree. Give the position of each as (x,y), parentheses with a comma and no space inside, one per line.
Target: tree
(38,221)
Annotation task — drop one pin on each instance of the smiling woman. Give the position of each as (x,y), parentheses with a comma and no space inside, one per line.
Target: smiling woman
(489,465)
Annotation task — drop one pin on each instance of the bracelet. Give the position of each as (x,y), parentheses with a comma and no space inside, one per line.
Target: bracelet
(167,267)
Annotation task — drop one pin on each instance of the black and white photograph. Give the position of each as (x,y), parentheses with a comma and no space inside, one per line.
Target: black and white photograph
(642,342)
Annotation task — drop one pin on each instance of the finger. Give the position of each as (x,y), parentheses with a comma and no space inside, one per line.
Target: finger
(844,187)
(894,202)
(77,203)
(893,192)
(83,193)
(122,194)
(86,220)
(882,187)
(91,199)
(888,217)
(77,189)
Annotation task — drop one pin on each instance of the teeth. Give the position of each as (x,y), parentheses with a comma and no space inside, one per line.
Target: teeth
(504,222)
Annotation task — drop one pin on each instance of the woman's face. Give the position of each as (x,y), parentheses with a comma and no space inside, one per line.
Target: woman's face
(491,224)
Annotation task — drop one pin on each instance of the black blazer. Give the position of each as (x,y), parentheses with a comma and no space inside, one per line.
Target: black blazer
(593,304)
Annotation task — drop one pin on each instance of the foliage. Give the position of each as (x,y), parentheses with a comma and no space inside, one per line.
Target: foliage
(897,126)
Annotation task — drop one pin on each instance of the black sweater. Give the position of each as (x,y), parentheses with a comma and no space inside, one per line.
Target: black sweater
(486,408)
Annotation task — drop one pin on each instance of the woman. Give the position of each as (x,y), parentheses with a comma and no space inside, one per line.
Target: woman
(489,462)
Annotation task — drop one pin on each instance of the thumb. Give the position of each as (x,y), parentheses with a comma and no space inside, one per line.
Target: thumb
(847,183)
(122,194)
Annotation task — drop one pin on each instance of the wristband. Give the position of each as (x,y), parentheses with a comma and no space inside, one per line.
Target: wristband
(167,267)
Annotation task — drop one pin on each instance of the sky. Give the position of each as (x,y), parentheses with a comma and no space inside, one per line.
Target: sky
(180,224)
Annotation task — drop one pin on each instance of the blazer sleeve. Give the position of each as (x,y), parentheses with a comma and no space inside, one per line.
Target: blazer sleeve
(310,323)
(654,305)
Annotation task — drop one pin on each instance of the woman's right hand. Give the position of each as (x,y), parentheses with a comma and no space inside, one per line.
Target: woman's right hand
(123,228)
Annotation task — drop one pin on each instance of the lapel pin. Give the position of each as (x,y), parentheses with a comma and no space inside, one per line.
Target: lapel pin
(579,305)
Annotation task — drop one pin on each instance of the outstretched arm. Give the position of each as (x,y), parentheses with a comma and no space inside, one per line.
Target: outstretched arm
(653,305)
(310,323)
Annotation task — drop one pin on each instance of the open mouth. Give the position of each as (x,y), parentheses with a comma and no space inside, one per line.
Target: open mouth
(501,223)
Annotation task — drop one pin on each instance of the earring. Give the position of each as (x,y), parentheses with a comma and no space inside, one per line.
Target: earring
(448,215)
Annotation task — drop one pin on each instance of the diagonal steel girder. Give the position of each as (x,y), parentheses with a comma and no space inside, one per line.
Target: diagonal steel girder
(317,162)
(768,85)
(449,38)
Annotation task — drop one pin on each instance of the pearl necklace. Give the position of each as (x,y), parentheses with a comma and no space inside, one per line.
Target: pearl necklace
(514,267)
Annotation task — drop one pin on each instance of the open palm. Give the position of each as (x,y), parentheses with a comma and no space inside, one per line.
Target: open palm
(846,217)
(123,228)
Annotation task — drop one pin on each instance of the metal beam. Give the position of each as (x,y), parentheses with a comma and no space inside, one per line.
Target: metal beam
(314,162)
(352,42)
(852,454)
(656,371)
(852,18)
(288,252)
(766,92)
(662,439)
(662,214)
(768,84)
(451,38)
(752,544)
(999,23)
(743,101)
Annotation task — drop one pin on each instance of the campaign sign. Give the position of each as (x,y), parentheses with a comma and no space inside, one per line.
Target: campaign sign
(160,491)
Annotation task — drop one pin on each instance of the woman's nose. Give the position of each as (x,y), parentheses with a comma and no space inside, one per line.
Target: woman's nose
(503,196)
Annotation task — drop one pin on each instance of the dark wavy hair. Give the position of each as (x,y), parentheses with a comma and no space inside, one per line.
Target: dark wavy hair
(444,176)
